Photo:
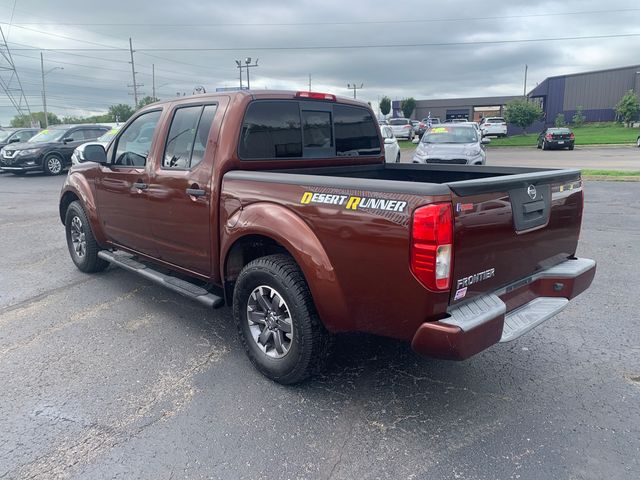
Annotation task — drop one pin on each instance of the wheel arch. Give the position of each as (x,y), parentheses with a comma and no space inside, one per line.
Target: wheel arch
(265,228)
(77,188)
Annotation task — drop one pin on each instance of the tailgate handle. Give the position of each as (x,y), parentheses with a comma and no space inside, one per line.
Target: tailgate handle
(533,206)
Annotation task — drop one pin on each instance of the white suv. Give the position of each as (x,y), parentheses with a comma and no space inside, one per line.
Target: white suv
(493,126)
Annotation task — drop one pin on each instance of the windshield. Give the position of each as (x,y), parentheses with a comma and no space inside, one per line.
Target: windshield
(108,136)
(48,136)
(4,134)
(398,121)
(450,135)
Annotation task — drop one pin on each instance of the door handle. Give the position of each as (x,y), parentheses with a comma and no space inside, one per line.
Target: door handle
(195,192)
(140,185)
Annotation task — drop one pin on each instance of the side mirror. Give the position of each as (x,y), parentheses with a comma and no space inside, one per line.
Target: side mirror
(485,140)
(95,153)
(67,140)
(14,140)
(388,140)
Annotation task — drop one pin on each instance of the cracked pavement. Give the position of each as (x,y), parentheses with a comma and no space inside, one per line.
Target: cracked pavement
(109,376)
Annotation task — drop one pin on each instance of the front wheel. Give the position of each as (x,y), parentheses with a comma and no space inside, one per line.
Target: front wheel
(277,320)
(82,245)
(545,146)
(52,164)
(638,142)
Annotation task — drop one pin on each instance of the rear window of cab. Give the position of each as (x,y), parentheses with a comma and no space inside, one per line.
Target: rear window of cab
(288,129)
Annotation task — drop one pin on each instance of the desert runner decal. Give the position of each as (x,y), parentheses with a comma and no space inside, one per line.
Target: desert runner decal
(353,202)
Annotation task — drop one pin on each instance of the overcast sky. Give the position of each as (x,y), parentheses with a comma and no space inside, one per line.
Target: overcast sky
(95,77)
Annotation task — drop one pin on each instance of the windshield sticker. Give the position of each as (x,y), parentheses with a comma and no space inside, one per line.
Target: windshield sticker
(353,202)
(439,130)
(44,131)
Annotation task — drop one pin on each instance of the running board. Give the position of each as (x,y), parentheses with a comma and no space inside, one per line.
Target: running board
(178,285)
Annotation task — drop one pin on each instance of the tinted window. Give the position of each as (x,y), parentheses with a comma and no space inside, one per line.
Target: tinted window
(134,144)
(202,135)
(356,132)
(179,144)
(316,129)
(90,133)
(398,121)
(271,129)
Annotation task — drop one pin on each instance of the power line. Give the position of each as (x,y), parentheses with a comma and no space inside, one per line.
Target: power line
(346,47)
(357,22)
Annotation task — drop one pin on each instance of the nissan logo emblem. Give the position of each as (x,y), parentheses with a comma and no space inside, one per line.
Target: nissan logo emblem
(531,190)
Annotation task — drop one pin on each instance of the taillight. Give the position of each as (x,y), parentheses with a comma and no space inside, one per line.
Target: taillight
(432,245)
(407,126)
(548,136)
(572,136)
(316,95)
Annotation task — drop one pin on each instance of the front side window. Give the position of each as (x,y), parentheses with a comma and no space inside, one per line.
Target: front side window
(134,144)
(271,129)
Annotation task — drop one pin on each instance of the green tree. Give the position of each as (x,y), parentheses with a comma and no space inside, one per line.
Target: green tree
(146,101)
(385,106)
(407,106)
(121,112)
(522,113)
(578,118)
(560,121)
(25,120)
(628,107)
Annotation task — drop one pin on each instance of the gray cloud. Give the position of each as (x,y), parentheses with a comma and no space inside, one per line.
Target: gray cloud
(93,80)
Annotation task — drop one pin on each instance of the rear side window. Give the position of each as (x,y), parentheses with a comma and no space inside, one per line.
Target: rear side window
(187,138)
(271,130)
(355,131)
(291,129)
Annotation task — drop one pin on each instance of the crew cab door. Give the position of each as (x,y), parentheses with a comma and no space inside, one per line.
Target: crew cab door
(180,192)
(122,186)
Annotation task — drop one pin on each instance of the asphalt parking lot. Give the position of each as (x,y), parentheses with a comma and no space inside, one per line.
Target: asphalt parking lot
(108,376)
(607,157)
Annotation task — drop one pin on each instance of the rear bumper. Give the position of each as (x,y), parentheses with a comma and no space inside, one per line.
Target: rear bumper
(506,314)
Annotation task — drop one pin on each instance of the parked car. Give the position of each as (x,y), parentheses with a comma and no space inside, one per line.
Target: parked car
(419,127)
(556,138)
(455,120)
(78,154)
(434,121)
(16,135)
(49,151)
(493,126)
(382,121)
(454,144)
(308,233)
(402,128)
(391,147)
(475,125)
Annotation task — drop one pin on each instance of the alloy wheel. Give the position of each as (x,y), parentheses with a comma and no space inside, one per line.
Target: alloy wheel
(78,239)
(54,165)
(270,321)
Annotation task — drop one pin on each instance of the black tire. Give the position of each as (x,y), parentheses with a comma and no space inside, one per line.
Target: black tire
(53,164)
(86,259)
(570,147)
(309,342)
(544,145)
(398,158)
(538,146)
(638,142)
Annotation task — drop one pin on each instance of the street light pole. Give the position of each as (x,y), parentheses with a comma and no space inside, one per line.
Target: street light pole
(44,92)
(247,62)
(355,88)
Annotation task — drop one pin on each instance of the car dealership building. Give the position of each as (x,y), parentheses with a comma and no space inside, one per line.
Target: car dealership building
(597,92)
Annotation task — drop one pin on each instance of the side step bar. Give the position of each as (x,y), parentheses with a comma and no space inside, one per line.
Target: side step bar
(178,285)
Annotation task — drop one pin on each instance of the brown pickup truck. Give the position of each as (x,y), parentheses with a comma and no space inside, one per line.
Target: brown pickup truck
(281,205)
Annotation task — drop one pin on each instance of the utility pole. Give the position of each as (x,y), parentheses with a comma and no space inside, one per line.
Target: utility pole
(247,62)
(239,64)
(44,91)
(355,88)
(133,73)
(526,67)
(153,81)
(44,94)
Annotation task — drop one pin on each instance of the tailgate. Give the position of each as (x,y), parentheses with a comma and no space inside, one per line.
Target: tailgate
(507,228)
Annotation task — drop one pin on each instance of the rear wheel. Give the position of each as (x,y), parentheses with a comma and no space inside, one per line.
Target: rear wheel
(545,146)
(638,142)
(82,245)
(52,164)
(570,147)
(277,320)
